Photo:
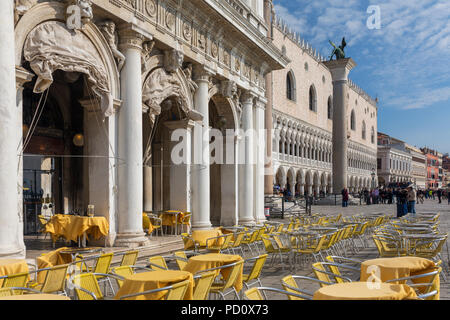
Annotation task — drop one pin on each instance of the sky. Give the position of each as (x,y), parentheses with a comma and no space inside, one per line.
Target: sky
(404,60)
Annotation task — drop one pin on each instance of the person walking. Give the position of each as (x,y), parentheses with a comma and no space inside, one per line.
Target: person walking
(412,198)
(439,195)
(344,197)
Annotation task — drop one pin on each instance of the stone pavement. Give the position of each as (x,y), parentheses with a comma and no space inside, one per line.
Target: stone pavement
(272,275)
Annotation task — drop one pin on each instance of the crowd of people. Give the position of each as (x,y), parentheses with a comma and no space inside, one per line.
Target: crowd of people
(405,197)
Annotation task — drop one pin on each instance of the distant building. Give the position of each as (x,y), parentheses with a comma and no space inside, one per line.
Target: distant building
(419,166)
(433,165)
(394,161)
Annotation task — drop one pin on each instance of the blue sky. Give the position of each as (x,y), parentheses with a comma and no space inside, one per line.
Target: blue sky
(405,63)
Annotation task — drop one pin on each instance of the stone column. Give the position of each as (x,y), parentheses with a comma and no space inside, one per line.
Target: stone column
(200,175)
(246,172)
(11,225)
(130,182)
(339,71)
(260,149)
(268,165)
(99,187)
(180,163)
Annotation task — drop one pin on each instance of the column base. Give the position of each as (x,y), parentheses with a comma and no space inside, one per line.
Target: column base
(201,226)
(247,222)
(13,253)
(131,240)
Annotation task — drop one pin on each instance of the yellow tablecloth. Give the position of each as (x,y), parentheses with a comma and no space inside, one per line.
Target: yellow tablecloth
(213,260)
(363,291)
(145,281)
(399,267)
(43,296)
(72,227)
(51,259)
(147,223)
(170,217)
(12,266)
(200,237)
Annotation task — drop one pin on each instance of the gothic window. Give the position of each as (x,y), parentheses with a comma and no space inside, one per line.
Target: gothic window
(363,130)
(353,120)
(330,109)
(312,99)
(290,86)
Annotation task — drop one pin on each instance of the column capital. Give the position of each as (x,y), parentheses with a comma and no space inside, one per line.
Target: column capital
(261,102)
(340,68)
(180,124)
(248,96)
(202,73)
(132,36)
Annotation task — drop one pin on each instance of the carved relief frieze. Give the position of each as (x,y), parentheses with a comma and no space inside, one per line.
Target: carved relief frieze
(151,8)
(170,19)
(214,49)
(187,31)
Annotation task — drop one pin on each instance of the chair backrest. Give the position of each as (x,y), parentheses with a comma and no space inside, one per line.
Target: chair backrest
(178,290)
(267,244)
(158,261)
(203,285)
(129,258)
(55,280)
(320,243)
(319,271)
(261,231)
(80,265)
(257,267)
(89,282)
(236,268)
(280,227)
(103,263)
(187,218)
(227,241)
(238,239)
(181,262)
(123,271)
(253,294)
(287,282)
(16,280)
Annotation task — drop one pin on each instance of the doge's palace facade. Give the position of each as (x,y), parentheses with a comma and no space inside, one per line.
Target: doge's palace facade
(302,122)
(125,76)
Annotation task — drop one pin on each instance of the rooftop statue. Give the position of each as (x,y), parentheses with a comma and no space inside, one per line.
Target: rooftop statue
(338,51)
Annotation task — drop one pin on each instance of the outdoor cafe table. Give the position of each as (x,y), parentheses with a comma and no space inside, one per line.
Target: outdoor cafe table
(12,266)
(43,296)
(409,239)
(171,218)
(74,227)
(365,291)
(398,267)
(200,237)
(213,260)
(144,281)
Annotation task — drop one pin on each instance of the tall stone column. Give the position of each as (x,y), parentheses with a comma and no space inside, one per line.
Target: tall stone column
(339,72)
(130,181)
(201,169)
(246,174)
(180,163)
(260,149)
(11,226)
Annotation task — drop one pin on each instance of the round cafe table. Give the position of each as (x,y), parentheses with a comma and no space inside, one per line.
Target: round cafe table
(151,280)
(365,291)
(212,260)
(399,267)
(43,296)
(12,266)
